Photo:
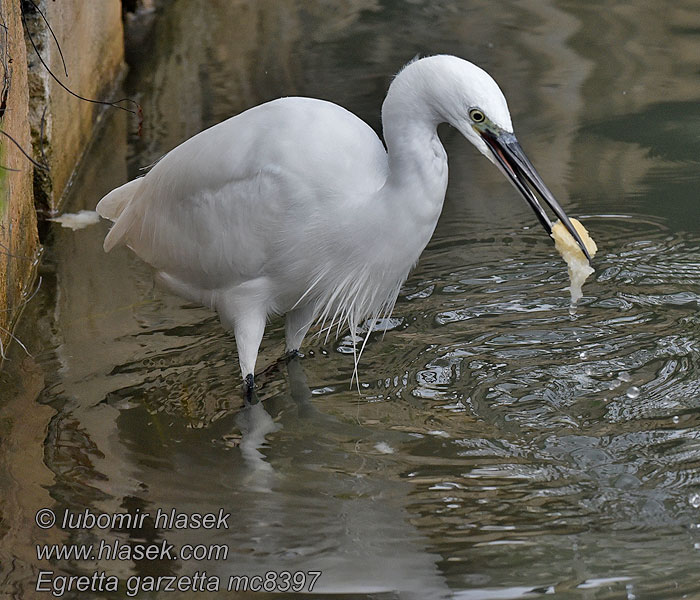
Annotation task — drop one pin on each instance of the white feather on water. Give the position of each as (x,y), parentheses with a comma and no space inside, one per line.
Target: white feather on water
(79,220)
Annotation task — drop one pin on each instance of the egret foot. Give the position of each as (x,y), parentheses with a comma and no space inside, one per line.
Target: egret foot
(292,354)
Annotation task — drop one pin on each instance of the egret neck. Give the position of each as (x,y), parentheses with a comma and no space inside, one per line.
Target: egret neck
(416,183)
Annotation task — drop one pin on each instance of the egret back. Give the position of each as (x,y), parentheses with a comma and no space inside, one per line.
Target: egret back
(231,203)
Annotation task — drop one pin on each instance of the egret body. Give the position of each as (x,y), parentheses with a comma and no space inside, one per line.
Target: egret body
(295,207)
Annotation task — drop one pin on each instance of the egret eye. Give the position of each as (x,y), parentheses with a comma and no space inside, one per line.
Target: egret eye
(476,115)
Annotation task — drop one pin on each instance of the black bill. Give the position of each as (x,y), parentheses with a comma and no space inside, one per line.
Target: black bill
(525,178)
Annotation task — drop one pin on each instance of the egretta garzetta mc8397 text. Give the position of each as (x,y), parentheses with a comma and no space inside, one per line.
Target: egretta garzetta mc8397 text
(295,207)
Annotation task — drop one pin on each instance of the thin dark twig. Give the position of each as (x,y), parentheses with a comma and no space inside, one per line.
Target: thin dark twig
(27,300)
(29,158)
(4,168)
(5,77)
(6,251)
(55,39)
(34,293)
(16,339)
(114,104)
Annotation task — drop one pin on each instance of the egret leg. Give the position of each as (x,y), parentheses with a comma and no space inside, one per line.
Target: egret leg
(243,312)
(296,325)
(298,388)
(248,328)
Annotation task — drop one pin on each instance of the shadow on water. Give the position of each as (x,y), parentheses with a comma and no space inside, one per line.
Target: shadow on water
(501,447)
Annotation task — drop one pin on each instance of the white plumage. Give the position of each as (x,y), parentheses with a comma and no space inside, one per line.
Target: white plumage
(295,207)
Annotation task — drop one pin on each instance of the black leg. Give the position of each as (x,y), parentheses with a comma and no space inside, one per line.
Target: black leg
(250,395)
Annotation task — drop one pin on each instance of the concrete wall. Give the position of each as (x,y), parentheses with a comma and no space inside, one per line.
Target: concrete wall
(91,39)
(92,42)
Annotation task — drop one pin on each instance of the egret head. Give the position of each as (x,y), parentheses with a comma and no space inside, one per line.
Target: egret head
(458,92)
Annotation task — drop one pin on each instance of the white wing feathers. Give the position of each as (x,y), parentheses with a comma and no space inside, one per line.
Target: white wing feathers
(228,204)
(113,204)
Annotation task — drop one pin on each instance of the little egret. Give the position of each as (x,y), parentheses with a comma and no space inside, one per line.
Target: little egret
(294,207)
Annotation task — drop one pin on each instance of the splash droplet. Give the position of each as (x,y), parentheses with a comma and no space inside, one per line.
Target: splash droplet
(633,392)
(676,419)
(694,500)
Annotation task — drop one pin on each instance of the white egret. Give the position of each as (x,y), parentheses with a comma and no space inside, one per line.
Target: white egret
(295,207)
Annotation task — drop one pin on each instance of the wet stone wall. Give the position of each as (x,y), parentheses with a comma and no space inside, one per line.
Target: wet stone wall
(18,231)
(82,51)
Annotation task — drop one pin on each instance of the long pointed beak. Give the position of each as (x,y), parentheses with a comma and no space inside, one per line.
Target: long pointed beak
(523,175)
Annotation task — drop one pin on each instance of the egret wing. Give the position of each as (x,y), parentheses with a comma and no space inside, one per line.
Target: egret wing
(216,209)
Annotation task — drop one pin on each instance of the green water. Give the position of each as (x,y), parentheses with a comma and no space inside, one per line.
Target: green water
(501,447)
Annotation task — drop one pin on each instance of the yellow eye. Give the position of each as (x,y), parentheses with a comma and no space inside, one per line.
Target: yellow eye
(476,115)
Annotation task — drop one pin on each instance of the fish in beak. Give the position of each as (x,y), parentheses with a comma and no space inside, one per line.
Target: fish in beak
(522,174)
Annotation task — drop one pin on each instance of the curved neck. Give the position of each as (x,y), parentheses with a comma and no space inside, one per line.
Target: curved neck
(417,177)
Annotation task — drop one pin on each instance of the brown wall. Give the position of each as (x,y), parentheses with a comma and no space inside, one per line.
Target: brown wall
(91,38)
(18,233)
